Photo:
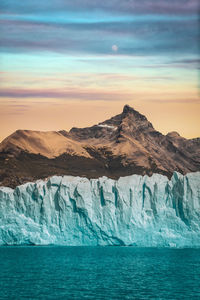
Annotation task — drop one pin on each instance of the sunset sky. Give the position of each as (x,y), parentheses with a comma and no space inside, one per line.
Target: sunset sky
(75,63)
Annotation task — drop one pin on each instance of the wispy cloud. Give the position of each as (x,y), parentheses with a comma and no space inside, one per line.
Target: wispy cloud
(186,63)
(66,94)
(182,100)
(92,27)
(134,6)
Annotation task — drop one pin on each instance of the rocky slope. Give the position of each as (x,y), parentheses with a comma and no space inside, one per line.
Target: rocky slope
(134,210)
(123,145)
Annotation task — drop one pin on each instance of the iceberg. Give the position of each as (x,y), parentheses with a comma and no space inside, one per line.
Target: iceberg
(131,211)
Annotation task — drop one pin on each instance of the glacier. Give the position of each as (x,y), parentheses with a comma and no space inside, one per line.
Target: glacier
(131,211)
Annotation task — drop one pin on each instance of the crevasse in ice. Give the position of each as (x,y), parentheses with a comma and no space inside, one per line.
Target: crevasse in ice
(134,210)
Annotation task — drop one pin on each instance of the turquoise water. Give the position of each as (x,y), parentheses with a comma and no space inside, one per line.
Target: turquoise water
(99,273)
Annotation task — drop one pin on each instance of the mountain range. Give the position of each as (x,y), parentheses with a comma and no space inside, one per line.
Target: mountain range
(122,145)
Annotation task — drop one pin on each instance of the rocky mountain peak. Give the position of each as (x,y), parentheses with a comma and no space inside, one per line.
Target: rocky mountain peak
(128,109)
(134,123)
(129,115)
(122,145)
(133,114)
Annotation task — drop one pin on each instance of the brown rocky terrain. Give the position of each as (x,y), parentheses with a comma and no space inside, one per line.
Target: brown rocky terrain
(123,145)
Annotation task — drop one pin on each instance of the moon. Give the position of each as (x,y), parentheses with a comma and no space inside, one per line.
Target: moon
(115,48)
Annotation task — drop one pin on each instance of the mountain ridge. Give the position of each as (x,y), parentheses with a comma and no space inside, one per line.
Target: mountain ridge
(121,145)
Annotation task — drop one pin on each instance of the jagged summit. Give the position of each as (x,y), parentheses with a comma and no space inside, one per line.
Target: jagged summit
(128,109)
(129,123)
(122,145)
(131,111)
(128,116)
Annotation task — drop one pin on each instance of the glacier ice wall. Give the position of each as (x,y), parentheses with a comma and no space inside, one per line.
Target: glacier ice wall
(134,210)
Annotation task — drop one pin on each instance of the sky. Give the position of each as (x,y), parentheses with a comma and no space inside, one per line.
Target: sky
(75,63)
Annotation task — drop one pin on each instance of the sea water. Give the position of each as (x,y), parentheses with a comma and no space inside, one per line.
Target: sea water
(50,272)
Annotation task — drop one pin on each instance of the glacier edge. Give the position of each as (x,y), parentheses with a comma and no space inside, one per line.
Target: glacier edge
(134,210)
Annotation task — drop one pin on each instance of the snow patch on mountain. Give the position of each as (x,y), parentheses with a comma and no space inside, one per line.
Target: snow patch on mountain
(107,126)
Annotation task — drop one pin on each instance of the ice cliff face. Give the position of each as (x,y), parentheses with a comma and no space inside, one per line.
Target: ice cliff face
(134,210)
